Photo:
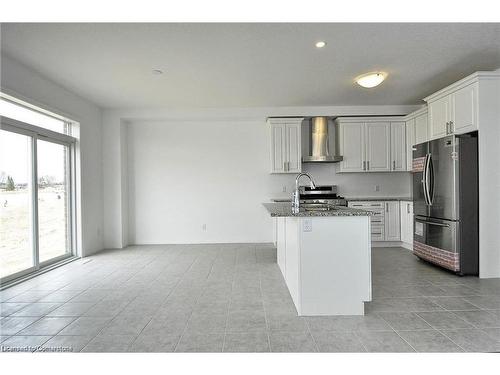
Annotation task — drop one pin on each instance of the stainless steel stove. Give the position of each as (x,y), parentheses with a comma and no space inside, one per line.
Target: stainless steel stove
(322,194)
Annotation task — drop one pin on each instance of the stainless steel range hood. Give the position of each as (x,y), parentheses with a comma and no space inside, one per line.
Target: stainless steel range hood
(320,144)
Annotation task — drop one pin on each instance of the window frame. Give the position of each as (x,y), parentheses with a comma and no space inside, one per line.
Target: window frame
(38,133)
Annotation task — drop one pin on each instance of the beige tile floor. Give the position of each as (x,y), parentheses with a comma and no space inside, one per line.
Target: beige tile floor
(232,298)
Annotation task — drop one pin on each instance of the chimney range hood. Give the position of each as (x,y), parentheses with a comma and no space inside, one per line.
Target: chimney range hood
(320,144)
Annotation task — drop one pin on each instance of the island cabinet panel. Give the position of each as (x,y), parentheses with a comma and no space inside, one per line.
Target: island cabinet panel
(335,275)
(292,259)
(281,244)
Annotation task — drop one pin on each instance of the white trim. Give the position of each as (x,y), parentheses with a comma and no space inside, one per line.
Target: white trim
(34,105)
(42,133)
(371,119)
(388,244)
(419,112)
(474,77)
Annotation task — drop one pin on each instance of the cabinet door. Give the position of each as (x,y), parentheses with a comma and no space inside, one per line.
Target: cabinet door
(398,146)
(410,223)
(439,115)
(352,146)
(293,148)
(281,244)
(421,129)
(278,148)
(404,221)
(392,225)
(464,109)
(378,146)
(410,141)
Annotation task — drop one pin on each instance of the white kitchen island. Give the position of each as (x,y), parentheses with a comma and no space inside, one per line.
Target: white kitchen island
(325,258)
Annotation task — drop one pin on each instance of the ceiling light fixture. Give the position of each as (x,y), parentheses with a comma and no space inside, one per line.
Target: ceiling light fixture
(157,72)
(370,80)
(320,44)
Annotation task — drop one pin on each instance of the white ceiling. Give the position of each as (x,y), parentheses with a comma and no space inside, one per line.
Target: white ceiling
(251,65)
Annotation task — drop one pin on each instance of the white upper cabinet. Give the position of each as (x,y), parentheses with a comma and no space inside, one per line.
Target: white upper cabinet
(293,154)
(352,147)
(464,109)
(416,132)
(439,117)
(454,110)
(398,146)
(286,153)
(410,141)
(421,128)
(378,150)
(373,145)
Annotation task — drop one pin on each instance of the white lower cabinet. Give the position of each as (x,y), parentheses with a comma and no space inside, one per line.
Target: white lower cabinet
(406,213)
(392,224)
(385,223)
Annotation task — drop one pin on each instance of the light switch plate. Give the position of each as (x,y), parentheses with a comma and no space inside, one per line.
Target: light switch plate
(307,225)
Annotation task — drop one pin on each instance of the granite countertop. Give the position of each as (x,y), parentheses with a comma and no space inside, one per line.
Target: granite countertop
(379,199)
(353,199)
(280,209)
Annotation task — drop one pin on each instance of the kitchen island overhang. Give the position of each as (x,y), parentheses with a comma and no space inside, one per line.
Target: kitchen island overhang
(325,258)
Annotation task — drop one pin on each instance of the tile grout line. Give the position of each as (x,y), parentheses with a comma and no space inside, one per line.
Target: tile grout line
(268,328)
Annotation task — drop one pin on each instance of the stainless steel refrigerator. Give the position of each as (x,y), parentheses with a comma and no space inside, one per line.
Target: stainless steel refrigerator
(445,203)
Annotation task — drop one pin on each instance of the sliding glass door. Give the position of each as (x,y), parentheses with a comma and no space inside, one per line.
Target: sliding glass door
(36,226)
(53,196)
(16,204)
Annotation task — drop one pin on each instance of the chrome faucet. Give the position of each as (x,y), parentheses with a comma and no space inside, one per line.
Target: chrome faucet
(296,194)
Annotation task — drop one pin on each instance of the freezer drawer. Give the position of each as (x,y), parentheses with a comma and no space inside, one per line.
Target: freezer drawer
(437,241)
(437,233)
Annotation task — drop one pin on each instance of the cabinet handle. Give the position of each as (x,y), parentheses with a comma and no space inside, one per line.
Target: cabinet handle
(451,127)
(447,128)
(368,165)
(364,165)
(394,165)
(387,207)
(407,208)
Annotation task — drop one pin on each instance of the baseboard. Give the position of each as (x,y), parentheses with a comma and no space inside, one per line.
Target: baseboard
(392,244)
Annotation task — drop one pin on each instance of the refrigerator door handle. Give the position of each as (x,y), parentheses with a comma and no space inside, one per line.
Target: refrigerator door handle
(430,180)
(432,223)
(425,182)
(427,189)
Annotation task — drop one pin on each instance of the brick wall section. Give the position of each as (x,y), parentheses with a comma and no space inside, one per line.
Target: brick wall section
(444,258)
(418,164)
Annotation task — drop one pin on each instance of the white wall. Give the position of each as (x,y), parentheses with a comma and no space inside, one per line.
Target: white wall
(22,82)
(117,216)
(183,174)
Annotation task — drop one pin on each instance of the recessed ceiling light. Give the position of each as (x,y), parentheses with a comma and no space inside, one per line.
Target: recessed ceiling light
(370,80)
(320,44)
(157,72)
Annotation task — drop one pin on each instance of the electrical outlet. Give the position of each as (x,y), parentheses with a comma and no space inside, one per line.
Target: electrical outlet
(204,227)
(377,187)
(284,188)
(307,225)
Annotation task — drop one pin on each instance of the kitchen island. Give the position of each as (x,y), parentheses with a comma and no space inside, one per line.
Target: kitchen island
(325,258)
